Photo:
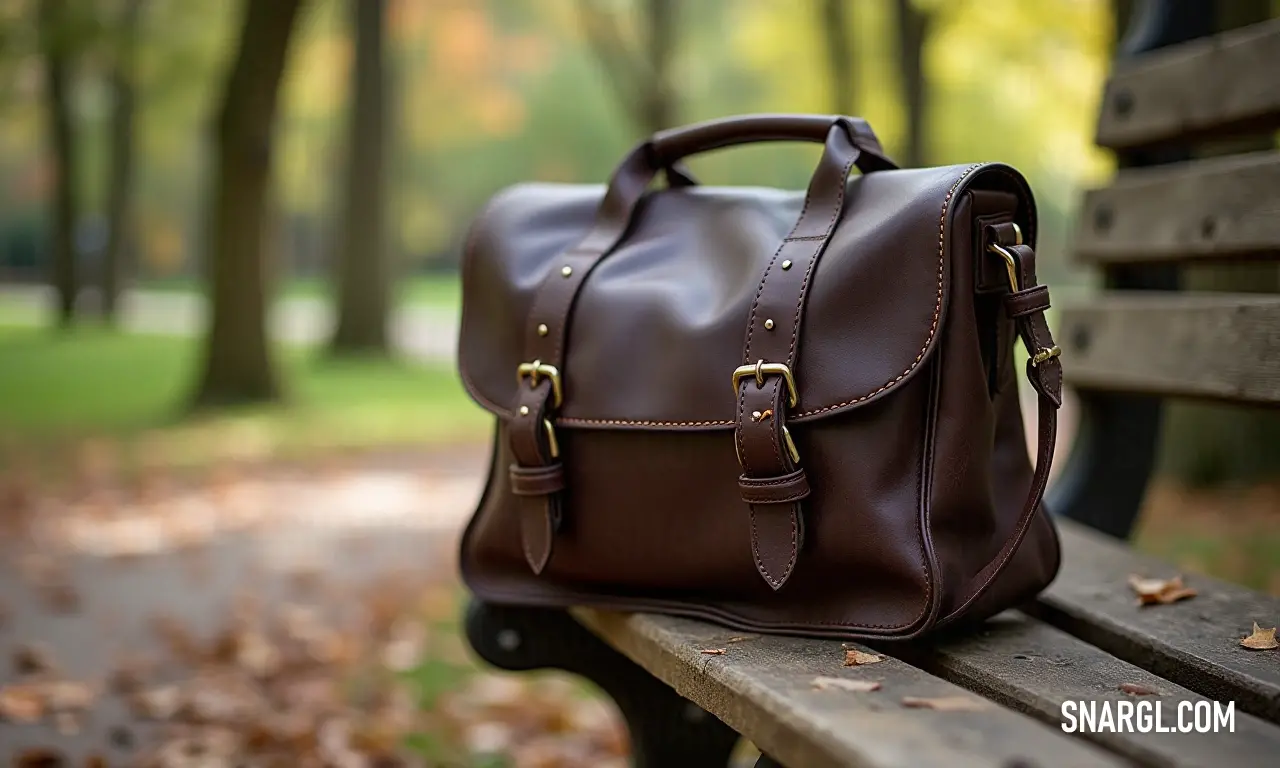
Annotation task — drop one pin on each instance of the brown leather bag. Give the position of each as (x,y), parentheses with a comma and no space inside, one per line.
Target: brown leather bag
(781,411)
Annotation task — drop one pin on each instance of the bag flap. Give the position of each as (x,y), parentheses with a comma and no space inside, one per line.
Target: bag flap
(659,325)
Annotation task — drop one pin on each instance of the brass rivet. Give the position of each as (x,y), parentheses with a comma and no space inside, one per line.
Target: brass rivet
(566,270)
(542,329)
(755,415)
(768,324)
(524,410)
(786,264)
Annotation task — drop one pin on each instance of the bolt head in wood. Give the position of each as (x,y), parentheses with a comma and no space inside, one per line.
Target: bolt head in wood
(542,329)
(566,270)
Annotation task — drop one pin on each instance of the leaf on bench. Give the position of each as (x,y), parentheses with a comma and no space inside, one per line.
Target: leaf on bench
(945,703)
(1160,591)
(845,684)
(855,658)
(1134,689)
(713,651)
(1261,639)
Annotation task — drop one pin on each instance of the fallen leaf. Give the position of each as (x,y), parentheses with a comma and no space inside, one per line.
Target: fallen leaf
(945,703)
(858,658)
(845,684)
(740,638)
(21,704)
(1138,690)
(39,758)
(1261,639)
(1160,591)
(713,651)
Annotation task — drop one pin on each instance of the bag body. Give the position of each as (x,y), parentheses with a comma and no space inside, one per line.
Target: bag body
(781,411)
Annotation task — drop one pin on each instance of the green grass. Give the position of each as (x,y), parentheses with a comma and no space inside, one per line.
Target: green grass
(133,390)
(433,290)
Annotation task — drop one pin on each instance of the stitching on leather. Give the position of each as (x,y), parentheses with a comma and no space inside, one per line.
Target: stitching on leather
(937,310)
(797,496)
(791,478)
(946,203)
(813,260)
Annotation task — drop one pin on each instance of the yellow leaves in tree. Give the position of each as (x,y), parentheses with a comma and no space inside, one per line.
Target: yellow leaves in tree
(1160,591)
(1261,639)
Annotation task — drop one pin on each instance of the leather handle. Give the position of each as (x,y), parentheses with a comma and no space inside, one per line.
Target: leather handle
(672,145)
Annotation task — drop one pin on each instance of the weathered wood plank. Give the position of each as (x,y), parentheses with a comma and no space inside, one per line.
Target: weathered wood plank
(1227,207)
(1193,643)
(763,688)
(1216,85)
(1221,346)
(1033,667)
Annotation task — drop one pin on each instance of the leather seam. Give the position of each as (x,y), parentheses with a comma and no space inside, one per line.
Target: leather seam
(763,483)
(797,496)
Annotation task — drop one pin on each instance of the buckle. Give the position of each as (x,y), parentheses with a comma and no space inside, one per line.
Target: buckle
(1010,263)
(1045,354)
(538,368)
(759,370)
(552,443)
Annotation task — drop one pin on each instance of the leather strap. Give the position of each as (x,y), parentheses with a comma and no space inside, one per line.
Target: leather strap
(1046,378)
(773,337)
(548,323)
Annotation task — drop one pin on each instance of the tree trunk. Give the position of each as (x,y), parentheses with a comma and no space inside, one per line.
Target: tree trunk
(237,362)
(659,111)
(912,24)
(834,20)
(54,31)
(363,279)
(120,191)
(641,78)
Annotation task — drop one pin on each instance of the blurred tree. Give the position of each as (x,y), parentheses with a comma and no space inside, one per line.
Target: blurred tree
(57,34)
(833,18)
(640,71)
(237,362)
(913,24)
(361,264)
(120,180)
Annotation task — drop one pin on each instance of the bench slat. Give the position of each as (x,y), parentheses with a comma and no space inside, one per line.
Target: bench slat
(1227,207)
(1033,667)
(1194,643)
(1223,346)
(762,687)
(1216,85)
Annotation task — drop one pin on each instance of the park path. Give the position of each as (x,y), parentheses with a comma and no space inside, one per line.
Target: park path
(421,332)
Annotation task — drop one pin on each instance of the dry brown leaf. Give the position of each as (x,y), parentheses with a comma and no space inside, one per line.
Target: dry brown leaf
(1160,591)
(845,684)
(39,757)
(945,703)
(713,651)
(21,703)
(1138,690)
(1261,639)
(854,658)
(32,659)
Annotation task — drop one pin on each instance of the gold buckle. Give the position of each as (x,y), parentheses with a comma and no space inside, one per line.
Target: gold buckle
(538,368)
(1045,354)
(759,370)
(1010,263)
(552,443)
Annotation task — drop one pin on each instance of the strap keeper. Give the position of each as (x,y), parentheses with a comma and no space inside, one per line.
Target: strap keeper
(537,481)
(1027,302)
(783,489)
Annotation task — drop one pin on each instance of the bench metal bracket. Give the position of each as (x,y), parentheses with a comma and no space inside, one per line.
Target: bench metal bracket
(667,730)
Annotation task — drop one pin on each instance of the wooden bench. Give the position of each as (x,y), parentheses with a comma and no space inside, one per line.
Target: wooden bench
(688,689)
